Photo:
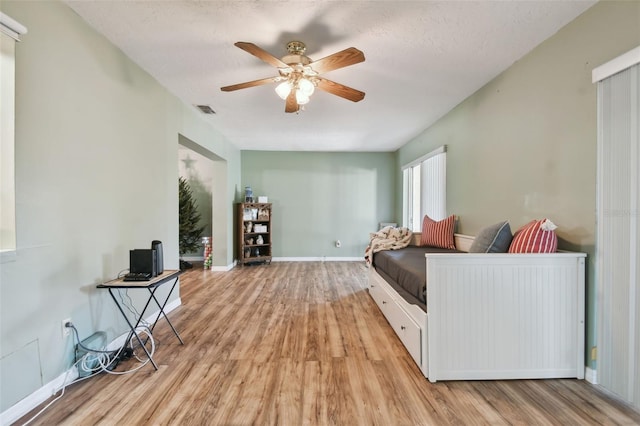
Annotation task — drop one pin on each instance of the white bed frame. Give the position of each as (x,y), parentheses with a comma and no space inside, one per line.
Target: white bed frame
(493,316)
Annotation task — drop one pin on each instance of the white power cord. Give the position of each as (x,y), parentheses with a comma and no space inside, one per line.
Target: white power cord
(62,388)
(104,358)
(139,330)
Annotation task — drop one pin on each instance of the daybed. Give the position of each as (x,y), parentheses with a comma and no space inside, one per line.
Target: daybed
(485,315)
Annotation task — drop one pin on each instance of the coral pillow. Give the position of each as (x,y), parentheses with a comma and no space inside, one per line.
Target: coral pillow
(537,236)
(438,234)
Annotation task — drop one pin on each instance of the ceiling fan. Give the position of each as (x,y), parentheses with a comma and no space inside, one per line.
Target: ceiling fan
(298,75)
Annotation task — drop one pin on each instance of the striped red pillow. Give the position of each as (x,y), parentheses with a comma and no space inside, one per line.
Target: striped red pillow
(438,234)
(538,236)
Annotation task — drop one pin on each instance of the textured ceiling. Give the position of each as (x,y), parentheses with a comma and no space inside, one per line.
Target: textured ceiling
(422,59)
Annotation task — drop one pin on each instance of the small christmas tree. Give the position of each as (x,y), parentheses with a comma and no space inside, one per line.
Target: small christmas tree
(189,236)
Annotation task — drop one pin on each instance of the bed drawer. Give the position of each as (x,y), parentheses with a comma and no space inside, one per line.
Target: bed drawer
(404,326)
(379,295)
(406,329)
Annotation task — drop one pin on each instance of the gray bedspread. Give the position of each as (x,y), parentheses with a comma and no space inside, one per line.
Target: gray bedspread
(405,270)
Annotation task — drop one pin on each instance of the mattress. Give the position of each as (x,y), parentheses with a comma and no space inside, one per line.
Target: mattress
(405,270)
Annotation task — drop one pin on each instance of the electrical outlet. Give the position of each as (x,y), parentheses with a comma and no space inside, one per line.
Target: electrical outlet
(594,353)
(66,330)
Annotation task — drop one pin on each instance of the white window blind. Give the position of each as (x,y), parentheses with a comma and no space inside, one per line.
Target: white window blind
(424,188)
(433,186)
(618,234)
(10,31)
(11,27)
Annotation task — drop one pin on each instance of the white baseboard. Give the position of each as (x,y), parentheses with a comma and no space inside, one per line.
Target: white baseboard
(591,376)
(213,268)
(38,397)
(224,268)
(318,259)
(30,402)
(193,258)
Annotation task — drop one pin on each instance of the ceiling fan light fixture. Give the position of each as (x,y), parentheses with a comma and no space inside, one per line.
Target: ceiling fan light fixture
(283,89)
(299,75)
(301,97)
(306,86)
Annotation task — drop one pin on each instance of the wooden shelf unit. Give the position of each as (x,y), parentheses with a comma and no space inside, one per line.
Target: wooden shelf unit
(254,223)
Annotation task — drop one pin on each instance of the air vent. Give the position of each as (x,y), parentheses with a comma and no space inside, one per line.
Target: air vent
(206,109)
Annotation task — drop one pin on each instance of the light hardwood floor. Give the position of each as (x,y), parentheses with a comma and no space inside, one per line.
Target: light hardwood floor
(303,344)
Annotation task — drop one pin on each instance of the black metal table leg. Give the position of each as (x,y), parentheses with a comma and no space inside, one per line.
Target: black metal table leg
(133,329)
(162,313)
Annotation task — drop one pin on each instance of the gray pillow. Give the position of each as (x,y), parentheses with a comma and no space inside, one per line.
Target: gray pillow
(492,239)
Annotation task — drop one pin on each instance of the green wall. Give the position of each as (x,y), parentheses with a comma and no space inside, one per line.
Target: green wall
(319,198)
(524,146)
(96,175)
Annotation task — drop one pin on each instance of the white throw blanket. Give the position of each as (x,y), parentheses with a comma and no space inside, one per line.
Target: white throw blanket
(388,238)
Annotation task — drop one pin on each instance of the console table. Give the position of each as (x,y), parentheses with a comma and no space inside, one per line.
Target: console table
(151,286)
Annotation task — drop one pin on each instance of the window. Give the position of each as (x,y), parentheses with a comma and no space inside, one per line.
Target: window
(424,189)
(10,32)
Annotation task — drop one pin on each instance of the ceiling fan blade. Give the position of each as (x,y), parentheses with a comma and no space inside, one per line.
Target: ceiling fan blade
(292,103)
(340,90)
(261,54)
(341,59)
(250,84)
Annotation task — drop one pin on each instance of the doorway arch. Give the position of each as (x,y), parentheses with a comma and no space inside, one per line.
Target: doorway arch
(216,177)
